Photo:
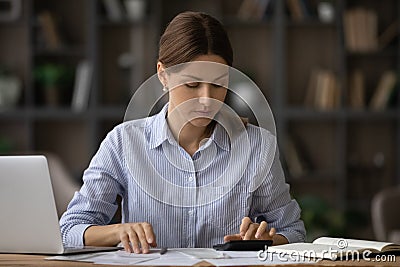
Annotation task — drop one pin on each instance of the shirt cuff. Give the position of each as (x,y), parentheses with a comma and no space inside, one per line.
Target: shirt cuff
(75,235)
(292,237)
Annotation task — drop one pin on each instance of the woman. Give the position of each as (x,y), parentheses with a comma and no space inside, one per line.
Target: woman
(267,212)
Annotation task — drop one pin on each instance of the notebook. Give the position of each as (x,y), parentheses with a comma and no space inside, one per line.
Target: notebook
(28,216)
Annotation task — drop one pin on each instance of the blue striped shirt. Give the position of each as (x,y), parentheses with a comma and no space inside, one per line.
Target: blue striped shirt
(133,157)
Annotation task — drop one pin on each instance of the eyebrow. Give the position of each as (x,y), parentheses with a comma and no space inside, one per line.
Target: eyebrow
(197,78)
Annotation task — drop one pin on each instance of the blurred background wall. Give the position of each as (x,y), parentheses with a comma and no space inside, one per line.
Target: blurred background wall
(329,69)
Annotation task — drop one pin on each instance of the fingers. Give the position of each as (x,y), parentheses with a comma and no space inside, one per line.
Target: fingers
(246,222)
(133,238)
(272,232)
(232,237)
(251,231)
(150,236)
(136,237)
(261,229)
(141,239)
(125,243)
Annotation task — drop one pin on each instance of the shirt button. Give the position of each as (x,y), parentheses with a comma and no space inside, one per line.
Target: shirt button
(190,212)
(190,179)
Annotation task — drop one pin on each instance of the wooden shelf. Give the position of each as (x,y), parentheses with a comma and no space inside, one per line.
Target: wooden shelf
(232,21)
(68,51)
(312,114)
(311,23)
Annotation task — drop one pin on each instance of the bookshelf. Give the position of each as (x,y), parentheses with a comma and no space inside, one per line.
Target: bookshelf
(351,149)
(348,152)
(83,32)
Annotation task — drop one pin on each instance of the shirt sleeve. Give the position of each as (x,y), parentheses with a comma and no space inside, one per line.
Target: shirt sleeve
(95,203)
(272,200)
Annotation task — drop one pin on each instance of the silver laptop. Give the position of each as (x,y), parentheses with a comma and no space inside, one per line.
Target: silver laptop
(28,216)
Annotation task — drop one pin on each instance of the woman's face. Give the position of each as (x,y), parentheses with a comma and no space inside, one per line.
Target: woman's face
(197,91)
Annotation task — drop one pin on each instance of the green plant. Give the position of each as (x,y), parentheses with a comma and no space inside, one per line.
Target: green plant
(320,219)
(6,145)
(50,75)
(53,81)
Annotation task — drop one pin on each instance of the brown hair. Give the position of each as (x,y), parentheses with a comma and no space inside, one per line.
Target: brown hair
(191,34)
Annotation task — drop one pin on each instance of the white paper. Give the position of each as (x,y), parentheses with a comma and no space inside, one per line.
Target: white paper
(201,253)
(180,257)
(87,257)
(151,255)
(173,257)
(171,261)
(241,254)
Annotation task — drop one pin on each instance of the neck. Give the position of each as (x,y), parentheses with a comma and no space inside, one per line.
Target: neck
(188,135)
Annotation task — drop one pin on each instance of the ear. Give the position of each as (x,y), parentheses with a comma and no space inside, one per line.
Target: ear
(162,75)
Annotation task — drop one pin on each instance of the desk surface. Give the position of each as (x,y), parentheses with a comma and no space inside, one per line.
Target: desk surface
(38,260)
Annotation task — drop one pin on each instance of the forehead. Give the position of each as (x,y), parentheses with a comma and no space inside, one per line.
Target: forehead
(200,70)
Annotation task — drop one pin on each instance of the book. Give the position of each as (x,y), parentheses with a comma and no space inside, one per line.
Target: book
(83,80)
(360,30)
(383,91)
(293,160)
(114,11)
(323,90)
(388,35)
(335,248)
(262,9)
(49,30)
(296,159)
(357,90)
(295,10)
(349,31)
(253,9)
(372,30)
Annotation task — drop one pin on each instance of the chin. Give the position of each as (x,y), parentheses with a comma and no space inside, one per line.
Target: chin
(201,122)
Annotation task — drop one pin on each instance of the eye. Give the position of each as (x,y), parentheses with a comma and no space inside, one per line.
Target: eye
(192,84)
(216,85)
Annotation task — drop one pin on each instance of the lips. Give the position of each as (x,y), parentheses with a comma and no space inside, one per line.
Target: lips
(207,113)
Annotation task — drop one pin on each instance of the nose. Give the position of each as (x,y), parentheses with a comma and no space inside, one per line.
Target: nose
(205,94)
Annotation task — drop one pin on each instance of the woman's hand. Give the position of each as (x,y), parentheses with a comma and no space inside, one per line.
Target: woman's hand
(132,236)
(252,231)
(136,235)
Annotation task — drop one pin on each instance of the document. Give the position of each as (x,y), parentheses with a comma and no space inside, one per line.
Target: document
(181,257)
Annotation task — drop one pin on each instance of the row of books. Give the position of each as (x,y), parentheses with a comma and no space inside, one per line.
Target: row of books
(298,10)
(361,31)
(253,9)
(296,158)
(382,95)
(118,10)
(51,39)
(323,91)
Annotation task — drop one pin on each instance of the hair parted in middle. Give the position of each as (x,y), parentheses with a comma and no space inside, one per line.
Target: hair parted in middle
(192,34)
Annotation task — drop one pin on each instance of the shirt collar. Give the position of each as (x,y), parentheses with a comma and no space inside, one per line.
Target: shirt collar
(220,137)
(159,132)
(158,129)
